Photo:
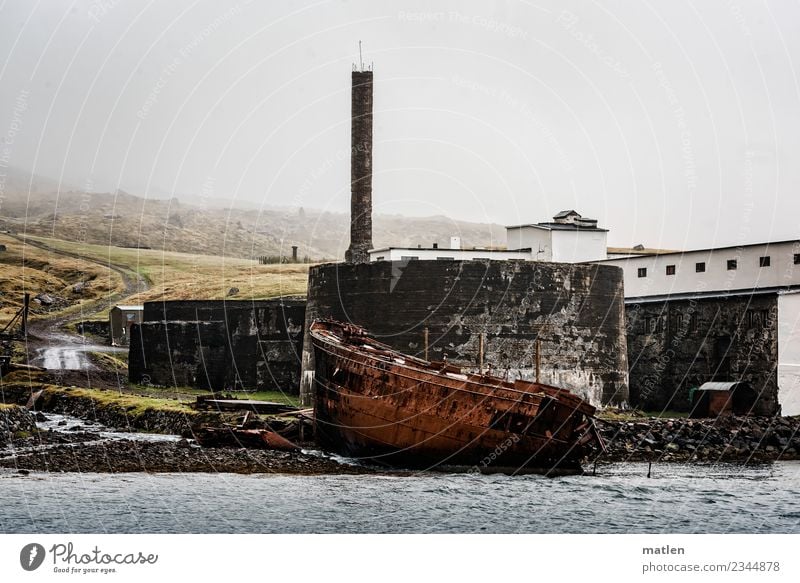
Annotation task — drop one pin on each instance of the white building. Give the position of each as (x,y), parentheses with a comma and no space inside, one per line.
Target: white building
(743,273)
(767,267)
(569,238)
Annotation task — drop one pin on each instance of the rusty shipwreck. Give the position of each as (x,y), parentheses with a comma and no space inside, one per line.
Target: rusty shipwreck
(374,402)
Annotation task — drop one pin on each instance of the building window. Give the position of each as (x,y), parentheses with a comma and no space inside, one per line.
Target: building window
(700,267)
(408,258)
(797,258)
(763,261)
(670,270)
(445,259)
(642,272)
(732,264)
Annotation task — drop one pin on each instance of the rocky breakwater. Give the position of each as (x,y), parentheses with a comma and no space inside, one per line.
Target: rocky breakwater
(723,439)
(15,423)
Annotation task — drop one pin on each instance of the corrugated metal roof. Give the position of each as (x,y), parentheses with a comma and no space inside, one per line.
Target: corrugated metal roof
(129,308)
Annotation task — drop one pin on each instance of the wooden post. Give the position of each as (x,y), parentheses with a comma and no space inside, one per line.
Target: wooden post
(425,333)
(538,359)
(25,305)
(480,352)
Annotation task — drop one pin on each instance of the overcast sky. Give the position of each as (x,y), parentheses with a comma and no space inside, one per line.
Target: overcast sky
(676,124)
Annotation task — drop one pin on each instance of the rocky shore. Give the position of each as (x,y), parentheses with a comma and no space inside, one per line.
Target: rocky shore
(138,456)
(722,439)
(25,447)
(15,423)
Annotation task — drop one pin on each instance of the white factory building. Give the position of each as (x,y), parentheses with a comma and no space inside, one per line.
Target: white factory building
(658,276)
(569,238)
(743,271)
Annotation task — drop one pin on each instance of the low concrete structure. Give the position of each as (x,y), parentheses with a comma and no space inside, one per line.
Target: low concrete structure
(251,345)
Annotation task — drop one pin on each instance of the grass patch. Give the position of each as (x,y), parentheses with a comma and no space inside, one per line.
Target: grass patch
(109,361)
(190,394)
(631,415)
(133,404)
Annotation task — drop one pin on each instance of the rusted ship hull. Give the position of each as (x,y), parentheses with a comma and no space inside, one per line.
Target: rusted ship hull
(373,402)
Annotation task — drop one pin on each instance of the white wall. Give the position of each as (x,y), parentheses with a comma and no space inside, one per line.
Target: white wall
(789,353)
(539,241)
(431,254)
(781,272)
(579,245)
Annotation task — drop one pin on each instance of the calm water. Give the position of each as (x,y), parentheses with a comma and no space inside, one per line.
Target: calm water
(619,499)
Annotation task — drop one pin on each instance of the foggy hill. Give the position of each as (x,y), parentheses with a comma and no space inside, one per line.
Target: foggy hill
(127,220)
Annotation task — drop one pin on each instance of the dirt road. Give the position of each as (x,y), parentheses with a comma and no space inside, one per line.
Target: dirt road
(50,345)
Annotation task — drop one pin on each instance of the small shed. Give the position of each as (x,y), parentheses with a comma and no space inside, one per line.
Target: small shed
(120,320)
(723,398)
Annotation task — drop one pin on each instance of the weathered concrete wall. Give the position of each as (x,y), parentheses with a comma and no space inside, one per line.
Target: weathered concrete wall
(219,345)
(576,311)
(679,344)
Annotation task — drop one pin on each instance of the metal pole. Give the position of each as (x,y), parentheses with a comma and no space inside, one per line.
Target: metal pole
(538,359)
(425,333)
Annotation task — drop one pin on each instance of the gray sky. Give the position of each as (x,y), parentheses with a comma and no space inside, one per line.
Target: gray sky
(676,124)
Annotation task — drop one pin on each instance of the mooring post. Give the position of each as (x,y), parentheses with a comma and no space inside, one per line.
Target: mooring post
(425,334)
(480,352)
(649,467)
(538,359)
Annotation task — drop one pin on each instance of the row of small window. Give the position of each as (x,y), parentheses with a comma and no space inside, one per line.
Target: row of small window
(732,264)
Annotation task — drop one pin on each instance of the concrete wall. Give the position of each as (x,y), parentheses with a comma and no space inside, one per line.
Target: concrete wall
(782,271)
(576,310)
(539,241)
(789,353)
(579,245)
(219,345)
(679,344)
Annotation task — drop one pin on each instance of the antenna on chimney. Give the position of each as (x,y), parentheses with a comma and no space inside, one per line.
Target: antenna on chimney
(360,58)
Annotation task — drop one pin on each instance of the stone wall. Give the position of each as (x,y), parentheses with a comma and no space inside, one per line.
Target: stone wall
(13,421)
(679,344)
(575,310)
(219,345)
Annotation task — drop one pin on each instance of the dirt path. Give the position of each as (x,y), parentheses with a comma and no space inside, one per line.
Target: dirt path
(50,345)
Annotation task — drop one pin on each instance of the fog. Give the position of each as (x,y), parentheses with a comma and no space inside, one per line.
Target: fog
(675,124)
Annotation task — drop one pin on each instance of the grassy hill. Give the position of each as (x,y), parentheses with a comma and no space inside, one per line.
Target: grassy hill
(178,276)
(71,283)
(126,220)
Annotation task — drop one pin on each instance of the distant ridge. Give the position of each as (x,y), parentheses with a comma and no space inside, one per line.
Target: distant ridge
(127,220)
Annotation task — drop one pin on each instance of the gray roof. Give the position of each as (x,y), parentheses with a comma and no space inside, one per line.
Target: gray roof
(558,227)
(563,214)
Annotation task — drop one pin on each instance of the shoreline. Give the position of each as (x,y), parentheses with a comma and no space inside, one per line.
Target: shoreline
(727,439)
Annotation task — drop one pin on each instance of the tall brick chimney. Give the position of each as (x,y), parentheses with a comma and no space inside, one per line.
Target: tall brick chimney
(360,169)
